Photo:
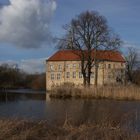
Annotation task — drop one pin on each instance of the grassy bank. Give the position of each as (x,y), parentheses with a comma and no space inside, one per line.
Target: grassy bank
(25,130)
(130,92)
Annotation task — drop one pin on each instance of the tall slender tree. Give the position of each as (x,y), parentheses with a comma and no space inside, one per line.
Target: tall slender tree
(131,63)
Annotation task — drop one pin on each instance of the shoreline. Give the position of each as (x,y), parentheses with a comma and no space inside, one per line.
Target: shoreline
(22,91)
(93,98)
(121,93)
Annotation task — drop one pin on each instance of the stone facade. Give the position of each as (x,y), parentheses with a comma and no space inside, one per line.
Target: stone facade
(59,72)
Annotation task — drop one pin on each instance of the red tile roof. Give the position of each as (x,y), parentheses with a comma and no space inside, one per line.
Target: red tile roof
(70,55)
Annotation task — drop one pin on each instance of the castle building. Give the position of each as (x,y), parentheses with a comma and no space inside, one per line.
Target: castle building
(65,67)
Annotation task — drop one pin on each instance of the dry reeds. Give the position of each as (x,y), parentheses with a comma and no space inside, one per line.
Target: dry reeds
(130,92)
(25,130)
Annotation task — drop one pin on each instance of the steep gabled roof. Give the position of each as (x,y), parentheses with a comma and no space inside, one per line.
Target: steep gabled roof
(70,55)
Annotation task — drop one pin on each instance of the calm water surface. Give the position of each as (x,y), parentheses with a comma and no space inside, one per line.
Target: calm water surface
(35,106)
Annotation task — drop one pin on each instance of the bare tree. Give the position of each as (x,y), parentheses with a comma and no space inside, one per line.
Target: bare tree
(131,60)
(88,33)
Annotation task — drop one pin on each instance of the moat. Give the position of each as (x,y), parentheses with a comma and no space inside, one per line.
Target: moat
(36,107)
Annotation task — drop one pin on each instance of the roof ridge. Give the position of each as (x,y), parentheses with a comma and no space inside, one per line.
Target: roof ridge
(68,55)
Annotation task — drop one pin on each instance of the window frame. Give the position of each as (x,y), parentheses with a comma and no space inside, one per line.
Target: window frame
(59,67)
(74,66)
(80,75)
(109,66)
(52,76)
(92,75)
(67,75)
(58,76)
(67,66)
(74,75)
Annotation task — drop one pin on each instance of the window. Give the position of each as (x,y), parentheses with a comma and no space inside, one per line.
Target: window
(80,75)
(109,76)
(52,76)
(92,75)
(122,64)
(58,76)
(68,75)
(114,66)
(79,66)
(74,66)
(51,67)
(109,66)
(67,66)
(104,66)
(74,74)
(59,67)
(122,71)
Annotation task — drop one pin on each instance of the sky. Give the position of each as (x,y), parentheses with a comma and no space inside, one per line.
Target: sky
(27,27)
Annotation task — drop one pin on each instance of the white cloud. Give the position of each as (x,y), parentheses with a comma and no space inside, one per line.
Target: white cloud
(25,23)
(28,65)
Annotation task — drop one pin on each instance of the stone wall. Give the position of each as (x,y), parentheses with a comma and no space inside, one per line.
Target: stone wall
(59,72)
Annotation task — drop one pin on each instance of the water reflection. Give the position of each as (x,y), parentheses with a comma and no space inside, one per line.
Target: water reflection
(12,97)
(35,106)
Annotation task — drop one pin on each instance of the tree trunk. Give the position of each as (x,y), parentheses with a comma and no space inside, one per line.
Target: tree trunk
(96,68)
(88,81)
(96,75)
(84,80)
(89,75)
